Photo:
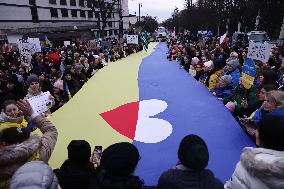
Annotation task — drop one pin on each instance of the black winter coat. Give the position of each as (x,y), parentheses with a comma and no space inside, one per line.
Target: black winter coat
(188,179)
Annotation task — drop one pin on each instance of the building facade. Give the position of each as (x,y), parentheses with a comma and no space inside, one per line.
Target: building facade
(57,19)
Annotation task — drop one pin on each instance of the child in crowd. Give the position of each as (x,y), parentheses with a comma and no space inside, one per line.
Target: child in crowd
(224,88)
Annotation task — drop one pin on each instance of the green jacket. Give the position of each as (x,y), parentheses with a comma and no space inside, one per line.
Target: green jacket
(238,95)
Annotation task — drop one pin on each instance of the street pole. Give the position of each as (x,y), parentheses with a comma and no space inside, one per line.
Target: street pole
(139,17)
(120,21)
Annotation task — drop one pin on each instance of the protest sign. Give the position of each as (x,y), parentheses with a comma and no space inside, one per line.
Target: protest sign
(132,39)
(66,43)
(248,73)
(259,51)
(41,103)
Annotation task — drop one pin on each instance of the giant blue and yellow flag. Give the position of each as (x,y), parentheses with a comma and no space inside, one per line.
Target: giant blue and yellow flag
(146,100)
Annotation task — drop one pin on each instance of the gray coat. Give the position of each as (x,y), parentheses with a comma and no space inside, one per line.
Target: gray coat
(35,148)
(34,175)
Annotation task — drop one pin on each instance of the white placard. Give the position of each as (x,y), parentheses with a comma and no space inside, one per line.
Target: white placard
(132,39)
(41,103)
(27,48)
(259,51)
(66,43)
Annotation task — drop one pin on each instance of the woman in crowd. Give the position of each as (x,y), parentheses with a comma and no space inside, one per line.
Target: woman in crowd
(262,167)
(11,117)
(60,97)
(273,104)
(70,84)
(34,86)
(17,146)
(45,83)
(190,172)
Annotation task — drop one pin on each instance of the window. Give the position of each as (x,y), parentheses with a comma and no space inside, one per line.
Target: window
(64,12)
(53,12)
(109,15)
(74,13)
(97,15)
(82,3)
(73,2)
(110,24)
(110,32)
(34,14)
(90,14)
(63,2)
(52,2)
(32,2)
(82,14)
(115,32)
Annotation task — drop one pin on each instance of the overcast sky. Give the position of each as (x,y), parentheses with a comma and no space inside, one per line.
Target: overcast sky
(160,8)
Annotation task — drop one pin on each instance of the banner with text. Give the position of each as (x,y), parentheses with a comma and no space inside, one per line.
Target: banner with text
(259,51)
(132,39)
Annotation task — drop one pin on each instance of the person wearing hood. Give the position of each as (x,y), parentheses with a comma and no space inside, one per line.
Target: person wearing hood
(70,84)
(77,170)
(14,89)
(117,165)
(60,97)
(18,146)
(262,167)
(190,172)
(45,83)
(233,70)
(80,76)
(224,88)
(34,174)
(213,78)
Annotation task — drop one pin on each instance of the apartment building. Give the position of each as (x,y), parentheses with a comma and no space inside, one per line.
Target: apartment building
(56,19)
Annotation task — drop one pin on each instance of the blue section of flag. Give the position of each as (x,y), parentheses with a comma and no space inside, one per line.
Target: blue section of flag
(191,110)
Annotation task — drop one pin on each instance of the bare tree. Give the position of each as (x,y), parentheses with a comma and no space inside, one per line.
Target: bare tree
(103,10)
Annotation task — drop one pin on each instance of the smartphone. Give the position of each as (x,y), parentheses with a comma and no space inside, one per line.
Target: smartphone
(99,150)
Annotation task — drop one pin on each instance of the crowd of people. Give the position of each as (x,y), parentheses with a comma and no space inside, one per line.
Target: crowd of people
(62,70)
(24,156)
(219,68)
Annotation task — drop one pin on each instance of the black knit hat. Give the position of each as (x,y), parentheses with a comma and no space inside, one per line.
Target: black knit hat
(32,78)
(13,79)
(79,151)
(66,72)
(193,152)
(15,135)
(120,159)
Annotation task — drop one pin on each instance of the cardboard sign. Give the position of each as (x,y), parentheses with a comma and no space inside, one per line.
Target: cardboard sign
(259,51)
